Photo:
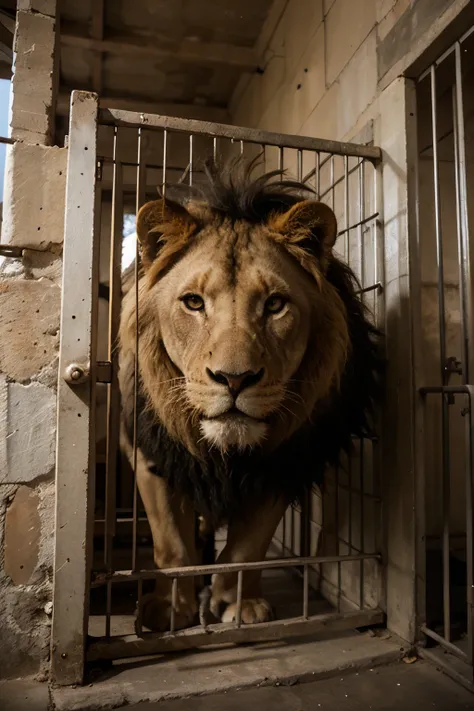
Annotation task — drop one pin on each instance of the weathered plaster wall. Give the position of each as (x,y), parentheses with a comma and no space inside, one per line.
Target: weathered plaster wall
(30,290)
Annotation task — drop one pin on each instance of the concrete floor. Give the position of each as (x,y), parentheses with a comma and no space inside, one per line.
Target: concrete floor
(397,687)
(415,687)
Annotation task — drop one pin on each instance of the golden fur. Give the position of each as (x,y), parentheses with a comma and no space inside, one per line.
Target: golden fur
(176,394)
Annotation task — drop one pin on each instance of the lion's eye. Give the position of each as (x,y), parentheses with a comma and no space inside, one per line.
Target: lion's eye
(275,304)
(193,302)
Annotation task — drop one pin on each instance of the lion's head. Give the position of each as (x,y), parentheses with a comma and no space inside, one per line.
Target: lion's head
(241,332)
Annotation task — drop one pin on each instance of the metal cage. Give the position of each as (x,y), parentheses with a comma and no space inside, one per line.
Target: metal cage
(330,548)
(445,183)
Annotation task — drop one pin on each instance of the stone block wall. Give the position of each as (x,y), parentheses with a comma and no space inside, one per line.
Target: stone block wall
(30,293)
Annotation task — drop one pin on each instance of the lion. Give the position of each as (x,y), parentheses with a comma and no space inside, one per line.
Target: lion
(257,364)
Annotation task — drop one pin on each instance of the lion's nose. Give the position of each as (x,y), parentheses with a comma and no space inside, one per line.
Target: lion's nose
(236,382)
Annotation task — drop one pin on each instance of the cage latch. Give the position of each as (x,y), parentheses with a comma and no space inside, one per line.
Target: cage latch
(8,250)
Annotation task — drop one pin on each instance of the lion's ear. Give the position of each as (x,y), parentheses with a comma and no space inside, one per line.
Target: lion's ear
(156,220)
(310,225)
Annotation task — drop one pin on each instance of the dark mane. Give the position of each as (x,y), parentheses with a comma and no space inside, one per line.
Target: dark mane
(230,189)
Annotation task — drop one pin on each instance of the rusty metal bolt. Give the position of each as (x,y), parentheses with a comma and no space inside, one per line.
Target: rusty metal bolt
(76,373)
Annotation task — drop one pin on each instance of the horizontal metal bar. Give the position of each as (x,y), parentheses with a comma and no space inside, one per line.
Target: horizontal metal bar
(9,141)
(447,389)
(109,161)
(358,224)
(238,133)
(152,643)
(11,251)
(444,643)
(443,663)
(446,54)
(195,570)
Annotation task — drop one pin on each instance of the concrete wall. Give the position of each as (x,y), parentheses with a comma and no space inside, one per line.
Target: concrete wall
(331,70)
(29,326)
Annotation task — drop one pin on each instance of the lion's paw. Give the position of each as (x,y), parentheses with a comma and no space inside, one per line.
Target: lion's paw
(253,611)
(156,613)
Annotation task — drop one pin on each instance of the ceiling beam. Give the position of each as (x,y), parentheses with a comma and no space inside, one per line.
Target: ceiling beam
(214,114)
(202,53)
(7,28)
(97,33)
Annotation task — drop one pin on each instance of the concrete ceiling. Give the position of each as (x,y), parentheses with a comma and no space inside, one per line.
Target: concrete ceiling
(187,54)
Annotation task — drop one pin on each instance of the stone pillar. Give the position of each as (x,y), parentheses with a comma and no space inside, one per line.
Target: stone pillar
(400,470)
(29,339)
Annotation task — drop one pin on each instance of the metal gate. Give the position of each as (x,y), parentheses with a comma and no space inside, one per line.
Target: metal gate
(445,184)
(330,548)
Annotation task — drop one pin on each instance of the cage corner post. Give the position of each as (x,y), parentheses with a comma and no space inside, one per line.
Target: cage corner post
(75,444)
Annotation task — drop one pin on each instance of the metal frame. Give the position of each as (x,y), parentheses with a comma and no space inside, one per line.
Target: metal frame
(79,372)
(75,447)
(461,369)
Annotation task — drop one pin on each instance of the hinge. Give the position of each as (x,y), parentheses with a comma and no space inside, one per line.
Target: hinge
(98,170)
(104,371)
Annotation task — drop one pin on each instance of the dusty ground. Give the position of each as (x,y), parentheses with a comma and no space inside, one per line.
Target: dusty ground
(396,686)
(416,687)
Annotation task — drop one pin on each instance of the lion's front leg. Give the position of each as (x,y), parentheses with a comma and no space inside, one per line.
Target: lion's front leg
(248,540)
(172,523)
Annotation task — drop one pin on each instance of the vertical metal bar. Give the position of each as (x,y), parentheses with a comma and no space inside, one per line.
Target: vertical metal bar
(362,227)
(264,158)
(174,604)
(467,325)
(375,241)
(318,174)
(361,441)
(470,530)
(299,166)
(361,522)
(292,538)
(214,149)
(191,156)
(140,192)
(283,535)
(305,524)
(338,539)
(139,619)
(108,608)
(241,148)
(459,230)
(442,355)
(113,395)
(306,592)
(165,161)
(336,469)
(280,159)
(238,612)
(465,250)
(346,211)
(75,466)
(347,254)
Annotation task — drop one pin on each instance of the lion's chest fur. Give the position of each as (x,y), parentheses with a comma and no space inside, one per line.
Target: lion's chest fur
(226,486)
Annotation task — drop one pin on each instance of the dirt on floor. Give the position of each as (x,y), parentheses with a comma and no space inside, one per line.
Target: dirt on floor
(415,687)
